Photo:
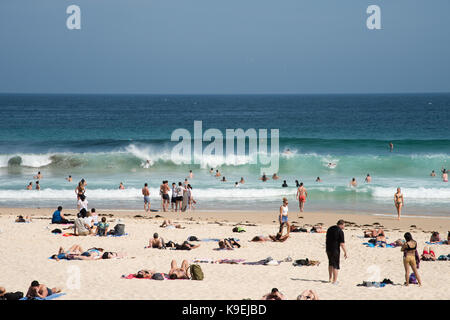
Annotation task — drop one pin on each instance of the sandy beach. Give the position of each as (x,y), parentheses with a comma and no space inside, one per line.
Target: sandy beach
(26,248)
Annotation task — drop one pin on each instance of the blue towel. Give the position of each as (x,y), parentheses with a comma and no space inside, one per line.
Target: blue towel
(371,245)
(53,296)
(440,242)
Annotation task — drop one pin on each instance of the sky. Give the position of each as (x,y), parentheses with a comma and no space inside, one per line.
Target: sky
(224,47)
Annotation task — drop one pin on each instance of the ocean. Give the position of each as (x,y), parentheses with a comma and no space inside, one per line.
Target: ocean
(107,139)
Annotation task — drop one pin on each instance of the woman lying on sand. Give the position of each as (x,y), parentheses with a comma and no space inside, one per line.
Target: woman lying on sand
(62,254)
(274,295)
(169,225)
(185,246)
(37,290)
(428,254)
(276,238)
(22,219)
(308,295)
(373,233)
(229,243)
(179,273)
(77,253)
(144,274)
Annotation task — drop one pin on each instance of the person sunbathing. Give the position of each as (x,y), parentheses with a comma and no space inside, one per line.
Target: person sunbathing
(37,290)
(448,239)
(308,295)
(184,246)
(168,224)
(318,229)
(435,237)
(278,237)
(373,233)
(274,295)
(179,273)
(260,239)
(144,274)
(228,244)
(62,254)
(90,254)
(22,219)
(156,242)
(428,254)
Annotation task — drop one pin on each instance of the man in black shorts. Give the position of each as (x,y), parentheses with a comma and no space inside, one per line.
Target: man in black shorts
(334,241)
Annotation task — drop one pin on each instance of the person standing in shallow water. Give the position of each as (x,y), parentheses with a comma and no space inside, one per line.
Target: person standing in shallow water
(301,196)
(399,202)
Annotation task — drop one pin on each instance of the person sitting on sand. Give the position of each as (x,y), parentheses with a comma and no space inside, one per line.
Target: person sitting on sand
(228,244)
(37,290)
(58,217)
(279,238)
(448,239)
(81,228)
(169,225)
(156,242)
(274,295)
(179,273)
(62,254)
(435,237)
(373,233)
(102,227)
(22,219)
(308,295)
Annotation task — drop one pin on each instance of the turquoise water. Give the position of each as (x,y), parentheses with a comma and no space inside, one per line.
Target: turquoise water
(108,139)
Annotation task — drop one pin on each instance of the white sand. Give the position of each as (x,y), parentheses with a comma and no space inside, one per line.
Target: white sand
(25,248)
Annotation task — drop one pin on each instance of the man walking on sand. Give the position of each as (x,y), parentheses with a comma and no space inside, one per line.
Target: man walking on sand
(335,241)
(146,194)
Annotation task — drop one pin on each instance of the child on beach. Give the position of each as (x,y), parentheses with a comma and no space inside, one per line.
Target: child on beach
(102,227)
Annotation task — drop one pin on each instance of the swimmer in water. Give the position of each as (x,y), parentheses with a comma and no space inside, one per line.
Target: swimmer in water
(301,196)
(444,175)
(38,176)
(433,174)
(218,173)
(223,179)
(38,186)
(287,151)
(264,178)
(211,170)
(331,165)
(353,183)
(30,186)
(121,186)
(297,184)
(236,184)
(318,179)
(69,179)
(399,202)
(391,146)
(284,185)
(368,179)
(275,177)
(191,175)
(242,180)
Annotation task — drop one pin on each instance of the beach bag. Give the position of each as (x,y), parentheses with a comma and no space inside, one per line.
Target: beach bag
(13,295)
(196,272)
(238,229)
(193,238)
(302,262)
(158,276)
(56,231)
(412,278)
(119,229)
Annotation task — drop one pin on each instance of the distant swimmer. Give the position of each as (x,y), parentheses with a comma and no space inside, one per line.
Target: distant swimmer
(69,179)
(275,177)
(224,180)
(30,186)
(146,194)
(218,173)
(444,175)
(211,170)
(353,183)
(236,184)
(391,146)
(121,186)
(38,186)
(287,151)
(284,185)
(399,202)
(191,174)
(318,179)
(301,196)
(433,174)
(297,184)
(242,180)
(368,179)
(146,164)
(38,176)
(264,178)
(331,165)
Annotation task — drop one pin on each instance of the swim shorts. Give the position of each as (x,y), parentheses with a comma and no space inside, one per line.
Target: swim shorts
(333,259)
(146,199)
(165,196)
(302,198)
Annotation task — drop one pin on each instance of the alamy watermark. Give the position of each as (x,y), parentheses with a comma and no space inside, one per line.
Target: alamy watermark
(189,149)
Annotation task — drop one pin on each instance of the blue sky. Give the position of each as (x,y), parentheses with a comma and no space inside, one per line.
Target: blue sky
(227,46)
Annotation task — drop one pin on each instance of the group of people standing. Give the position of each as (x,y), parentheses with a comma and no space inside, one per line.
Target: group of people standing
(180,197)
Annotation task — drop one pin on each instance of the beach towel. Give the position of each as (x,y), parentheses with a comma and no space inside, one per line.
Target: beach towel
(371,245)
(372,284)
(265,262)
(230,261)
(443,257)
(156,276)
(112,235)
(53,296)
(440,242)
